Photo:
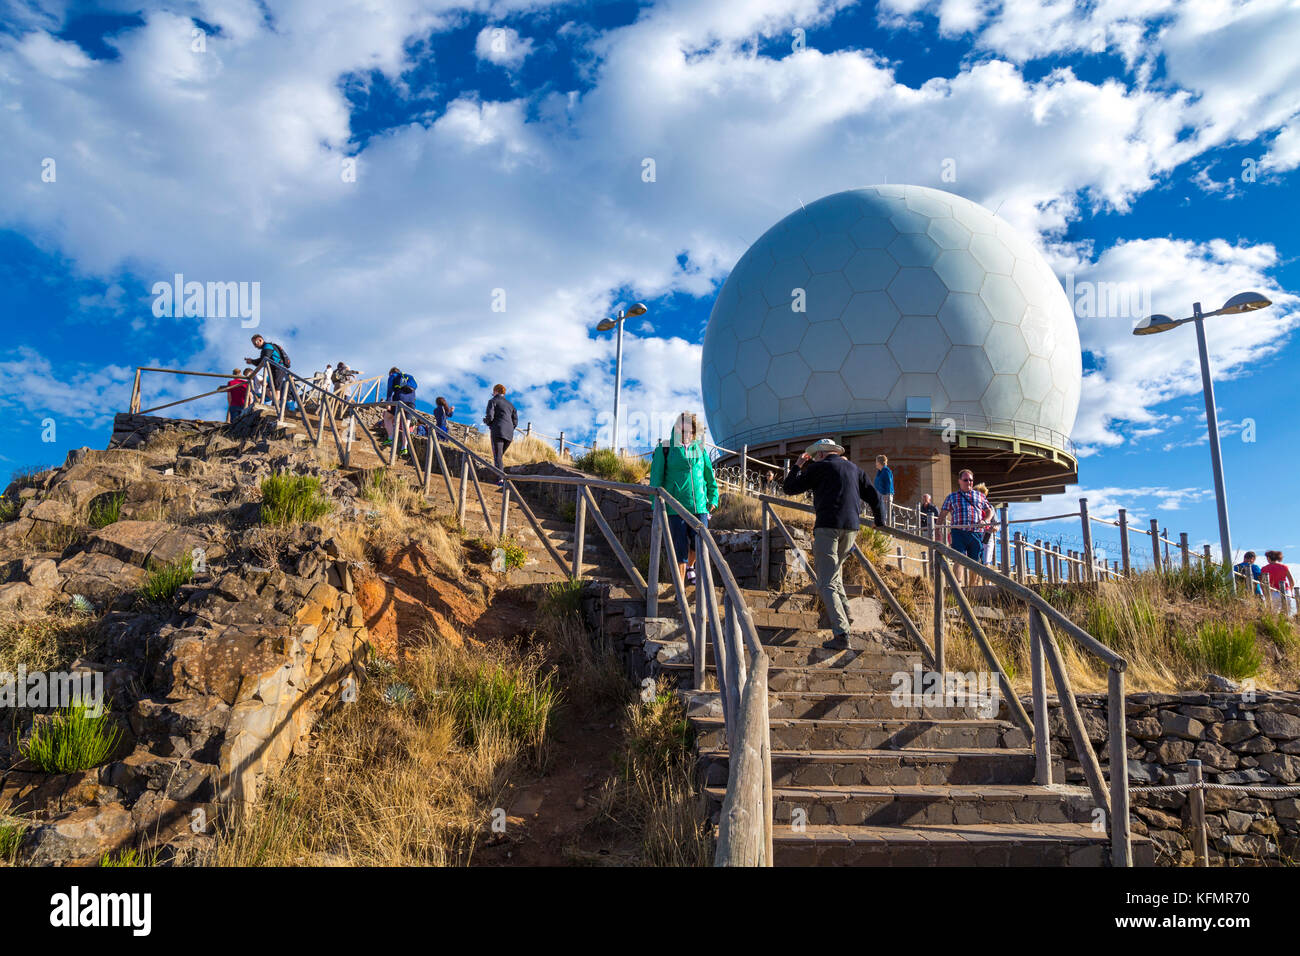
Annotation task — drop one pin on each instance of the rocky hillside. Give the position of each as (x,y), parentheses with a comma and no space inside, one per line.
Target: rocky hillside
(220,638)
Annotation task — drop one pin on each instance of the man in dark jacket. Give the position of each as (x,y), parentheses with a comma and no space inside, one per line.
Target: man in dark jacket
(270,357)
(501,420)
(839,488)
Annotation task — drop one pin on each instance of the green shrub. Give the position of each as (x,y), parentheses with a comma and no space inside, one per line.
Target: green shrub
(72,740)
(165,580)
(1277,627)
(11,838)
(568,511)
(563,598)
(516,556)
(604,463)
(293,499)
(513,701)
(873,542)
(9,509)
(1226,649)
(105,510)
(1201,580)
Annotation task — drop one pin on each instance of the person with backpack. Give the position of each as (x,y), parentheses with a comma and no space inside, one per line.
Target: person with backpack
(839,488)
(683,469)
(501,419)
(884,485)
(401,388)
(236,394)
(442,411)
(276,359)
(1249,570)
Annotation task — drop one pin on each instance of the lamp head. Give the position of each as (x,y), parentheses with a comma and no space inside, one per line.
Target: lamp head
(1244,302)
(1153,324)
(606,324)
(638,309)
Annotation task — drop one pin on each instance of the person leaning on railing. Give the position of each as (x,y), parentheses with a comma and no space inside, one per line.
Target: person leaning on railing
(237,393)
(968,510)
(839,487)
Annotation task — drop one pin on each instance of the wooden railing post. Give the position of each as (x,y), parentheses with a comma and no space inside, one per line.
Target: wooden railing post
(1038,560)
(937,568)
(135,393)
(1020,557)
(432,442)
(462,498)
(656,546)
(765,556)
(579,532)
(1038,688)
(505,508)
(1200,841)
(1089,566)
(1164,533)
(1005,538)
(561,445)
(1155,544)
(1121,840)
(347,447)
(1123,541)
(744,469)
(395,437)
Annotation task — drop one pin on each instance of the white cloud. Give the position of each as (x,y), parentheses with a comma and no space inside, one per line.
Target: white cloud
(502,46)
(225,165)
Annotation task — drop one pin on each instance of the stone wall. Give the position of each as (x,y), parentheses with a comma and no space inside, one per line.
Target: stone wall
(1238,741)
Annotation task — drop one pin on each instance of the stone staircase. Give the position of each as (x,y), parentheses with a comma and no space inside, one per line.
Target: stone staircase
(860,781)
(857,780)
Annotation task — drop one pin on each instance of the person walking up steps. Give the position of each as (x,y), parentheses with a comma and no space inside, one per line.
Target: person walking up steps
(236,394)
(683,469)
(1279,576)
(442,411)
(967,509)
(268,353)
(884,485)
(401,388)
(501,419)
(839,488)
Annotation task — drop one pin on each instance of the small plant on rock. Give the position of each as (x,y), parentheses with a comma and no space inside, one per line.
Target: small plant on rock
(293,499)
(11,838)
(72,740)
(165,580)
(105,511)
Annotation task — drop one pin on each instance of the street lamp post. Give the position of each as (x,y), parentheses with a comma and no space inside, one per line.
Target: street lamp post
(1241,302)
(617,323)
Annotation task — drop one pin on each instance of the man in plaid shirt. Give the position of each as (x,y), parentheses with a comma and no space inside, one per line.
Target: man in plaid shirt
(967,509)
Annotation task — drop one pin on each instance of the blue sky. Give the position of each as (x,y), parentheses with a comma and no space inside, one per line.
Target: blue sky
(499,147)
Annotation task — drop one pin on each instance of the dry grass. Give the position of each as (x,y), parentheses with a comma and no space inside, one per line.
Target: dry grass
(524,450)
(653,795)
(45,640)
(401,517)
(389,783)
(737,512)
(1170,641)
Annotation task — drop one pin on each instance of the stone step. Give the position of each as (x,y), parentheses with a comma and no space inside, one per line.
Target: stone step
(793,733)
(986,844)
(904,806)
(878,768)
(821,679)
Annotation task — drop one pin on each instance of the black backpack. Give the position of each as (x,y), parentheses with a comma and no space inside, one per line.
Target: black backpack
(284,356)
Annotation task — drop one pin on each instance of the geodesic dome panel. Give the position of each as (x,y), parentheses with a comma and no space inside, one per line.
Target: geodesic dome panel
(865,298)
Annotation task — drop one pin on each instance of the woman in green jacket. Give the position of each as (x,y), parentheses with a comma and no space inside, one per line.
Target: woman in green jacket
(682,468)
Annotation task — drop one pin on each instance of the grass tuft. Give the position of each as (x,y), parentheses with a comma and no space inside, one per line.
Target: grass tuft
(512,700)
(292,499)
(105,510)
(11,839)
(72,740)
(165,580)
(605,463)
(1225,649)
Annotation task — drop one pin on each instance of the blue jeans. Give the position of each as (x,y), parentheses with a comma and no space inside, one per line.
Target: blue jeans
(684,538)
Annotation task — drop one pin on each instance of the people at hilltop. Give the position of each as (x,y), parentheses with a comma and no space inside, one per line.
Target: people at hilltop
(683,469)
(341,376)
(401,389)
(502,419)
(986,530)
(442,411)
(928,513)
(1279,576)
(884,485)
(273,358)
(236,393)
(965,510)
(839,488)
(1249,570)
